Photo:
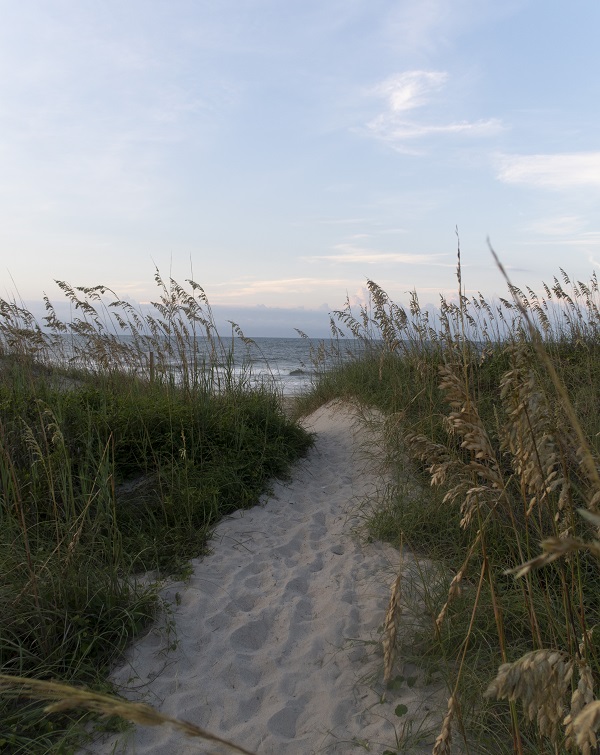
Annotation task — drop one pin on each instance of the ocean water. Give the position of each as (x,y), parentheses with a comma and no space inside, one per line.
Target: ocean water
(292,364)
(289,362)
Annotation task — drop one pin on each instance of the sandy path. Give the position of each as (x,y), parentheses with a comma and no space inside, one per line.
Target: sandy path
(278,629)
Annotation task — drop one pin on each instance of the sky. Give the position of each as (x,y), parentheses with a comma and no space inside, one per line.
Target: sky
(284,152)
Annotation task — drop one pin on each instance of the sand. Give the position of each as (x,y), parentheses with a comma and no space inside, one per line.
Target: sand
(275,638)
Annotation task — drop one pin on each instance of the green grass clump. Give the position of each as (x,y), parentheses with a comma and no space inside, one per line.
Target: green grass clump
(109,470)
(492,433)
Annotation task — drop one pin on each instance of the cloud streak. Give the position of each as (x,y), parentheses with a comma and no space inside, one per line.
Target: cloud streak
(559,171)
(557,225)
(397,131)
(408,91)
(348,253)
(587,239)
(237,289)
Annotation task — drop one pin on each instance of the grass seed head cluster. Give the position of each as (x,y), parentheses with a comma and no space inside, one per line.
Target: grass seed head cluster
(113,463)
(497,404)
(493,405)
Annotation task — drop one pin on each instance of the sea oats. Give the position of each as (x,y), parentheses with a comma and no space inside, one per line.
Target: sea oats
(540,680)
(455,584)
(444,738)
(390,628)
(585,726)
(554,548)
(453,591)
(464,421)
(582,695)
(66,697)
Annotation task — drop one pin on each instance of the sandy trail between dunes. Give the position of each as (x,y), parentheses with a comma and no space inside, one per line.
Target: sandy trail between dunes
(278,629)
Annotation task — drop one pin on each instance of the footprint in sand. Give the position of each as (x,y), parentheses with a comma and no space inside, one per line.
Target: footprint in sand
(251,636)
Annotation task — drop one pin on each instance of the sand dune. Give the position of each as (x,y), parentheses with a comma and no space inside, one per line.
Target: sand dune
(276,643)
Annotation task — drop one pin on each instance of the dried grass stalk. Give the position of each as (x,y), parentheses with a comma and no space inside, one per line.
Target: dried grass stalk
(391,624)
(444,739)
(476,478)
(585,726)
(587,458)
(540,680)
(582,696)
(554,548)
(453,591)
(530,433)
(67,697)
(464,421)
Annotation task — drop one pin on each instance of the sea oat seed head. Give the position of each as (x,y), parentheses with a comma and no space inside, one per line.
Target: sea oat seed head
(390,628)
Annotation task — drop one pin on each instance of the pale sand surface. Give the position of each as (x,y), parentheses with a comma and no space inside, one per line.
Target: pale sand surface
(277,631)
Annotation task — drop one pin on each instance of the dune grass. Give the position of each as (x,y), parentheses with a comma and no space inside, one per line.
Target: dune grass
(492,424)
(113,464)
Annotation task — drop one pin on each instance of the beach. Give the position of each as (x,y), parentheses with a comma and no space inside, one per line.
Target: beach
(274,642)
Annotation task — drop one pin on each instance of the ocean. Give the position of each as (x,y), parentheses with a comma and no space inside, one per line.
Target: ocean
(286,361)
(292,364)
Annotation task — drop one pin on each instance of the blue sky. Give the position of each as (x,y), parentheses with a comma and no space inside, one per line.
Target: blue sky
(282,152)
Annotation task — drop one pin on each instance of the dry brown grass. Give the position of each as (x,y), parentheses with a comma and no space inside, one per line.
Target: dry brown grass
(576,730)
(540,680)
(391,625)
(443,741)
(585,726)
(65,697)
(497,403)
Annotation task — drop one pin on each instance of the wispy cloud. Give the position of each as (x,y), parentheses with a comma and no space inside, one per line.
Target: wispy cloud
(235,289)
(587,239)
(408,91)
(559,171)
(349,253)
(397,131)
(342,221)
(561,225)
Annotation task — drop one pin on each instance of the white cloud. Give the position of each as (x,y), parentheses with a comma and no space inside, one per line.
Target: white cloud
(589,238)
(348,253)
(276,286)
(394,130)
(360,298)
(409,91)
(342,221)
(560,171)
(561,225)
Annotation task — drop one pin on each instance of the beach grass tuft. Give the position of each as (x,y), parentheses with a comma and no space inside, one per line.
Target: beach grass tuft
(492,429)
(126,433)
(61,697)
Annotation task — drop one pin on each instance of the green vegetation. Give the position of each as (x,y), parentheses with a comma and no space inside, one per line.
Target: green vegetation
(492,429)
(112,464)
(492,434)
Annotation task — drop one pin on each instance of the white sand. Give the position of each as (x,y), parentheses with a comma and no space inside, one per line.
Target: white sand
(277,632)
